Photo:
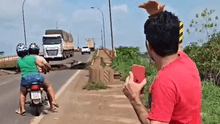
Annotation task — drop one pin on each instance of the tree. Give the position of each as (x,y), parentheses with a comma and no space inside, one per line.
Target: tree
(1,54)
(204,23)
(207,58)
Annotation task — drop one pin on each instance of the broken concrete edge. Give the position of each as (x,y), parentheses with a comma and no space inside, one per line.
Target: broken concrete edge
(8,72)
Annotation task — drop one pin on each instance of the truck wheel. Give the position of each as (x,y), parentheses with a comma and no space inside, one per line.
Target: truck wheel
(64,55)
(68,54)
(72,53)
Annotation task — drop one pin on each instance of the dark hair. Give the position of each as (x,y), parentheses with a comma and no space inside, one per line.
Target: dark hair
(162,33)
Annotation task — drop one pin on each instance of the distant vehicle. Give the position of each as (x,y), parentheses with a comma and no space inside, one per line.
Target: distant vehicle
(85,50)
(57,44)
(90,43)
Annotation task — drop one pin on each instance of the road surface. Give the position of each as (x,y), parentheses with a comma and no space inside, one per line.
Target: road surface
(9,91)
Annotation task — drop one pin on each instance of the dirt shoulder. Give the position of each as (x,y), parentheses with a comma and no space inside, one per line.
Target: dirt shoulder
(79,106)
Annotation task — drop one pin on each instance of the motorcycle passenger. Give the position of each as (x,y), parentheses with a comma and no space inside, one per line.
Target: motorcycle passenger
(29,73)
(34,51)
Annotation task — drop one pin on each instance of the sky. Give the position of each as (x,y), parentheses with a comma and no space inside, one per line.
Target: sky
(77,17)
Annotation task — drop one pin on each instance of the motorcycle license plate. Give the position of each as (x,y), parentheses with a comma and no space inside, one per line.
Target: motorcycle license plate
(35,95)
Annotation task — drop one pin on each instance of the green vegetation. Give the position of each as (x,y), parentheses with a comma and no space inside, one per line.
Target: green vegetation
(103,64)
(207,58)
(210,104)
(93,57)
(127,56)
(204,23)
(95,86)
(1,54)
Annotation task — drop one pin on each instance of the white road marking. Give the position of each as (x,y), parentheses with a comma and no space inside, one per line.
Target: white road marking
(66,84)
(37,120)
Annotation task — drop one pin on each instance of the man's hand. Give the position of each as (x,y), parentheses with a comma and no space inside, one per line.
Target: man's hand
(152,7)
(131,89)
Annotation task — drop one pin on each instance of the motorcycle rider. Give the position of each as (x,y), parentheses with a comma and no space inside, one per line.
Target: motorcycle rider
(28,65)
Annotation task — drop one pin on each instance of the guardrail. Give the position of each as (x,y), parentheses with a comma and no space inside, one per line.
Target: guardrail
(13,57)
(10,61)
(9,58)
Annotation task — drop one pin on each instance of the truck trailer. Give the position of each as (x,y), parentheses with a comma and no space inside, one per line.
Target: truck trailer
(90,43)
(57,44)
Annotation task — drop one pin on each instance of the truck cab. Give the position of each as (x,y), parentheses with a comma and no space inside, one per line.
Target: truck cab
(57,44)
(52,46)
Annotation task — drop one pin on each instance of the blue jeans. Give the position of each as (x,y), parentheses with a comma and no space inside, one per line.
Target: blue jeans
(27,80)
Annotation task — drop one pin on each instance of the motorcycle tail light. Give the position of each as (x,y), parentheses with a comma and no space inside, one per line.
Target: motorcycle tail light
(35,87)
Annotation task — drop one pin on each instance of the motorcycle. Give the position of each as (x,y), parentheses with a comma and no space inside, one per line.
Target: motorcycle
(36,99)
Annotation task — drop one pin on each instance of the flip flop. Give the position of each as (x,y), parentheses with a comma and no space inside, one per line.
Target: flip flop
(55,104)
(17,111)
(21,113)
(53,109)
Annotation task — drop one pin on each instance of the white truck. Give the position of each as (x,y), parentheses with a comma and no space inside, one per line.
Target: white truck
(57,44)
(90,43)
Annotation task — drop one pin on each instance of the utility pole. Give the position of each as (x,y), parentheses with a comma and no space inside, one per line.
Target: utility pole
(24,23)
(111,28)
(103,24)
(101,38)
(78,40)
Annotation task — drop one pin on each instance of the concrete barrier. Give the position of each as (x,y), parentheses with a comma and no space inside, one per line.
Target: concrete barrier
(98,73)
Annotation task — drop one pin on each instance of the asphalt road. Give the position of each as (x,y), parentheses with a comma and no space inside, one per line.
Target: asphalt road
(10,85)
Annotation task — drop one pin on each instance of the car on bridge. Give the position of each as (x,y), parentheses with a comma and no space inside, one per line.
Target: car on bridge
(85,50)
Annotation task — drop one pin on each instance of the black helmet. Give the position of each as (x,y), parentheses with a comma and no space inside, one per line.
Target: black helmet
(34,49)
(21,50)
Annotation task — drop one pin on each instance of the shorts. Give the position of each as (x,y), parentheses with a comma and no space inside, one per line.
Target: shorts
(27,80)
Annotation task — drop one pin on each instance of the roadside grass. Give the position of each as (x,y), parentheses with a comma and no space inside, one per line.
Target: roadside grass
(103,64)
(93,57)
(95,86)
(210,103)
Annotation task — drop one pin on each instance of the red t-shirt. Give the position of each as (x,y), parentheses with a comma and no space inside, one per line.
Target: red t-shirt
(176,93)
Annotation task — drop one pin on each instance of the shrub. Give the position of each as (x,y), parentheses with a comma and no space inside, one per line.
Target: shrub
(93,57)
(128,56)
(207,59)
(103,64)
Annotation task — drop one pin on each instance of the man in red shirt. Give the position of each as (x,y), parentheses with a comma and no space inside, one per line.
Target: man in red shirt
(175,95)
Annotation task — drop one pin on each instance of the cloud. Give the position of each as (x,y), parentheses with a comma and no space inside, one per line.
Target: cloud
(39,16)
(86,15)
(120,11)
